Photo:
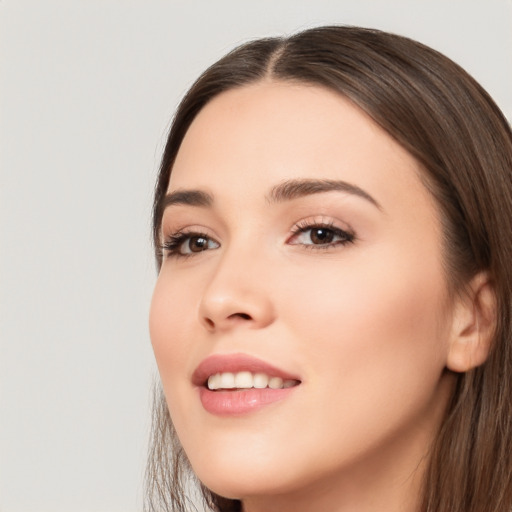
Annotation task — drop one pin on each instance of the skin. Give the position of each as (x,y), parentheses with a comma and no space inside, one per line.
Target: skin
(367,325)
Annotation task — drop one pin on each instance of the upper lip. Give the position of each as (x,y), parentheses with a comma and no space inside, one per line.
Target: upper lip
(233,363)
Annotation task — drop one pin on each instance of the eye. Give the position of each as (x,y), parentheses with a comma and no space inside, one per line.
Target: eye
(188,244)
(320,235)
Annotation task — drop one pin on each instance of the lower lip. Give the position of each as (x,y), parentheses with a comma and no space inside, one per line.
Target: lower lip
(243,401)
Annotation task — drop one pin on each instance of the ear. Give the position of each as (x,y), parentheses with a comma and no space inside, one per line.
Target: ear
(474,323)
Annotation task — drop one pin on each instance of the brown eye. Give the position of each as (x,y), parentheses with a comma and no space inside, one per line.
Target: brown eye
(188,244)
(192,244)
(197,244)
(321,235)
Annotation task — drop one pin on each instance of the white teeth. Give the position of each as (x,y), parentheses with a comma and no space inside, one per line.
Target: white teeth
(214,381)
(260,380)
(246,380)
(243,380)
(227,380)
(275,383)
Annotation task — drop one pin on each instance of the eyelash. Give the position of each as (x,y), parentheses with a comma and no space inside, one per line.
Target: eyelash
(171,246)
(306,225)
(173,243)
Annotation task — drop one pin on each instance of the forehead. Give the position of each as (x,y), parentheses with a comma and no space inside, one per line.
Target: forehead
(248,139)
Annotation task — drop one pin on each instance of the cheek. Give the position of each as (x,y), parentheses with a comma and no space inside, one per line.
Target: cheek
(373,352)
(373,332)
(171,324)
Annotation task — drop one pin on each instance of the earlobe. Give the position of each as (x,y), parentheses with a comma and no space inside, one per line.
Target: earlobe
(473,326)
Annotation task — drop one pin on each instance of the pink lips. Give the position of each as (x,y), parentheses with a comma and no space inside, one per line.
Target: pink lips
(238,401)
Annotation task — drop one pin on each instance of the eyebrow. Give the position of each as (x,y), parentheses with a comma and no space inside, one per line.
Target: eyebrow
(293,189)
(285,191)
(187,197)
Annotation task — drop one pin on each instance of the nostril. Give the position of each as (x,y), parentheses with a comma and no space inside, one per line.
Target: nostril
(212,325)
(244,316)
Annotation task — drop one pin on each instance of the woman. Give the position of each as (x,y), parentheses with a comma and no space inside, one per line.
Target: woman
(331,319)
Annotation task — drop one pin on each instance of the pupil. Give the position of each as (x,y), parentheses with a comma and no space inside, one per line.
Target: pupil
(321,236)
(198,244)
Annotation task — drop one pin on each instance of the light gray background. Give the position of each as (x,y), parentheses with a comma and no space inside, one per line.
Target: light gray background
(87,92)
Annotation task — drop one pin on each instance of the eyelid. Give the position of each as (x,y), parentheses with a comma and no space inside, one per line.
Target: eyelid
(173,228)
(322,220)
(303,226)
(172,241)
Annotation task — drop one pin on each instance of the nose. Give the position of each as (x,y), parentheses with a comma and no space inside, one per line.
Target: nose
(238,294)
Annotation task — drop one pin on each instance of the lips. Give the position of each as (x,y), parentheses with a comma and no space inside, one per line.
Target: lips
(235,384)
(235,363)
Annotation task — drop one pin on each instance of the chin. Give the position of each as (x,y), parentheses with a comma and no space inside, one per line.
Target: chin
(231,484)
(235,481)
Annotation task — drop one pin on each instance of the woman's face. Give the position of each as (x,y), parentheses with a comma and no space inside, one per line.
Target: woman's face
(300,245)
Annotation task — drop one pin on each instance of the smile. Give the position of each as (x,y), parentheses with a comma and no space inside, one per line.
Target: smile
(248,380)
(237,384)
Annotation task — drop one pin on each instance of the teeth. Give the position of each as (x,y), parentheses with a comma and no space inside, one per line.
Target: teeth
(247,380)
(260,380)
(275,383)
(227,380)
(214,381)
(243,380)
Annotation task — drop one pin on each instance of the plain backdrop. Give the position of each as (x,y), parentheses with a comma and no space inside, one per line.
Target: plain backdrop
(87,90)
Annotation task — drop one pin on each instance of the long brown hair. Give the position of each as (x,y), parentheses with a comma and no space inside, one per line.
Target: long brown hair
(444,118)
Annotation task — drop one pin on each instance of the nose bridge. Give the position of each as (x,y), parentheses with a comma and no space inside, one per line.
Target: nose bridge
(238,289)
